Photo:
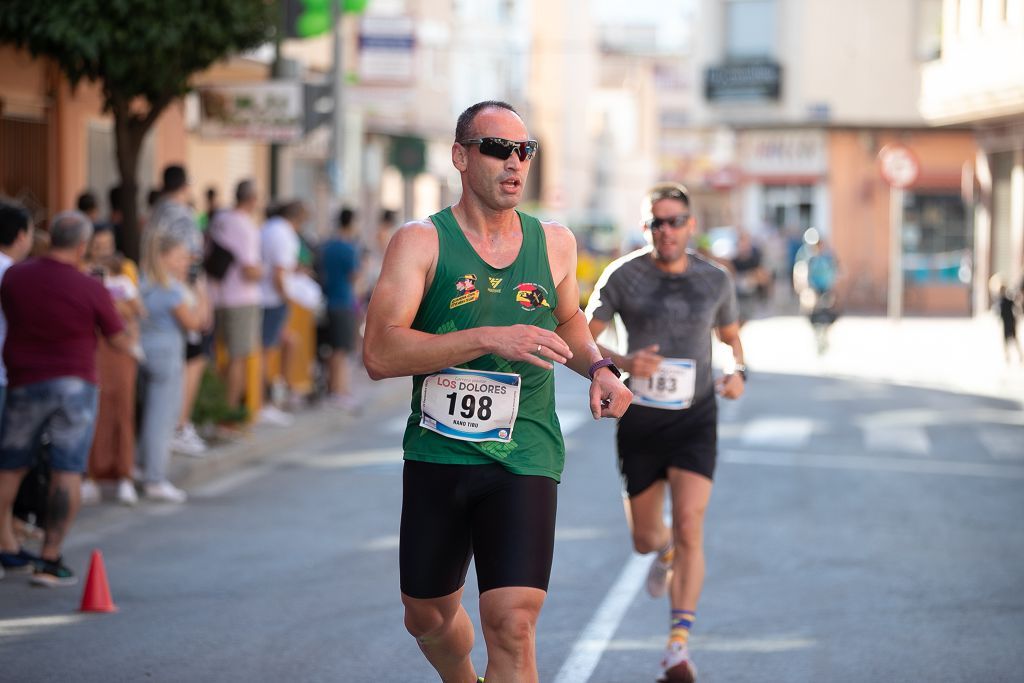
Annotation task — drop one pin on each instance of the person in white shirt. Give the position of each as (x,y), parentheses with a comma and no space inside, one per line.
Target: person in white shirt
(279,249)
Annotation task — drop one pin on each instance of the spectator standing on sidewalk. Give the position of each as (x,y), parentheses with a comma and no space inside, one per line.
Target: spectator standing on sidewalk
(1009,311)
(53,311)
(173,213)
(236,297)
(15,242)
(339,265)
(113,447)
(750,276)
(171,311)
(90,206)
(279,247)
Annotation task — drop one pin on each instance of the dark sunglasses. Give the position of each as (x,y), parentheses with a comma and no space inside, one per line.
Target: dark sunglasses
(672,221)
(500,148)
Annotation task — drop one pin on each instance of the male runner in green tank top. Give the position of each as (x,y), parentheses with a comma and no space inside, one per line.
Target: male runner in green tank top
(476,303)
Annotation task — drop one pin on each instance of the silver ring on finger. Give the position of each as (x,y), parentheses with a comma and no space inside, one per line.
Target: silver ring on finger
(539,347)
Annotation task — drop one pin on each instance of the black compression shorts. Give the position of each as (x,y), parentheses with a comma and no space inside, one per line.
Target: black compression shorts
(650,440)
(452,512)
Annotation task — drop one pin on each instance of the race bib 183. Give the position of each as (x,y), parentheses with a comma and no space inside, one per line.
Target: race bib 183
(470,405)
(670,387)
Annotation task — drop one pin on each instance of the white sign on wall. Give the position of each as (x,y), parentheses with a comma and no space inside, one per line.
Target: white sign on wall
(267,111)
(783,152)
(386,49)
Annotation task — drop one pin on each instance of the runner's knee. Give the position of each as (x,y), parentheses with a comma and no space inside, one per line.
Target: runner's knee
(425,621)
(648,540)
(511,630)
(688,527)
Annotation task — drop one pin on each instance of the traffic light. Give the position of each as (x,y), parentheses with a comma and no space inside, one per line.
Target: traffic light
(311,18)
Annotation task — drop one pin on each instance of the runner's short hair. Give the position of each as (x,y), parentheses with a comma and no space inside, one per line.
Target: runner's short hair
(464,126)
(665,190)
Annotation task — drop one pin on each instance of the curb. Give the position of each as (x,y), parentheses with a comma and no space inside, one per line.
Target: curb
(266,443)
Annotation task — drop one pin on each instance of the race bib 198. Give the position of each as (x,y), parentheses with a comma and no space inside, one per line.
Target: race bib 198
(470,405)
(670,387)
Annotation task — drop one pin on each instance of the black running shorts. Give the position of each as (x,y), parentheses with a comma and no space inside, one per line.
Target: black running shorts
(451,513)
(650,440)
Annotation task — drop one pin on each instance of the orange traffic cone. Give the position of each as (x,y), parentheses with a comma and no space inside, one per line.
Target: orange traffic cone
(96,597)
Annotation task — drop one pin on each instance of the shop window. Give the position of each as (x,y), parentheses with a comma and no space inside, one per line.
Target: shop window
(929,29)
(937,236)
(750,28)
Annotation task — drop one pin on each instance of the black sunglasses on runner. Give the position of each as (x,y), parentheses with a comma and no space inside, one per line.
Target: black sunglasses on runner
(673,221)
(500,148)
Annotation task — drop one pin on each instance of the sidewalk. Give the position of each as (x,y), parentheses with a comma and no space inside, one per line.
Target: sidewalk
(964,355)
(260,442)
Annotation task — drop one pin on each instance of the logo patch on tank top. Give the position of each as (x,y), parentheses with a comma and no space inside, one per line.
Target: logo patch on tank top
(468,293)
(495,281)
(531,296)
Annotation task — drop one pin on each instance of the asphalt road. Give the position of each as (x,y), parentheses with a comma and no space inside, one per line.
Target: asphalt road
(858,531)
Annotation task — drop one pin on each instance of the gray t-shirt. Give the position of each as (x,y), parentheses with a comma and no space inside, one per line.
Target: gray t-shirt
(676,311)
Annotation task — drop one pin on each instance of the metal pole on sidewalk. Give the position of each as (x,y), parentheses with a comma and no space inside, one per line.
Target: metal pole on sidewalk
(335,162)
(895,307)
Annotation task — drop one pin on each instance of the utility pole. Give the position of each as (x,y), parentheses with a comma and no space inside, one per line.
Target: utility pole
(335,161)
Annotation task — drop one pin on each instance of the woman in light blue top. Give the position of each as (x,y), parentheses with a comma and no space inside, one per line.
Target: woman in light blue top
(172,311)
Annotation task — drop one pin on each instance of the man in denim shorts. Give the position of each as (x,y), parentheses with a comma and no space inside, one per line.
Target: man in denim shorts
(53,312)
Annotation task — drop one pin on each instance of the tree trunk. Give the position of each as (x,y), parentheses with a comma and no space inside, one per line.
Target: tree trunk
(129,131)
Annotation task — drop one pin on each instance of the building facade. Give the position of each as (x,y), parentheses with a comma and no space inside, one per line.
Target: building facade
(798,97)
(977,80)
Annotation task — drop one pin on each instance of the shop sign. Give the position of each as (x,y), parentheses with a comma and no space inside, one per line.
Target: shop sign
(783,152)
(759,80)
(386,49)
(266,111)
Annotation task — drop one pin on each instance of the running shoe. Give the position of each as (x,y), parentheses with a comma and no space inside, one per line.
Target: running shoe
(658,576)
(21,561)
(677,665)
(53,574)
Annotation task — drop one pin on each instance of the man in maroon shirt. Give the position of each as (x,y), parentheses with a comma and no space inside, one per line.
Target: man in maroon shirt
(53,312)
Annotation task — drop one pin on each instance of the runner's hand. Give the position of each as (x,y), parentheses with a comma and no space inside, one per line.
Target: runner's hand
(609,397)
(730,386)
(644,362)
(528,343)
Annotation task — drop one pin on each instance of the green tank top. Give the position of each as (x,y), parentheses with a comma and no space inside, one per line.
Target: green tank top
(467,292)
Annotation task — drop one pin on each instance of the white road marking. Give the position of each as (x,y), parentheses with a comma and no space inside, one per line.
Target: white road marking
(902,439)
(778,432)
(373,456)
(20,626)
(869,463)
(702,643)
(588,648)
(1002,443)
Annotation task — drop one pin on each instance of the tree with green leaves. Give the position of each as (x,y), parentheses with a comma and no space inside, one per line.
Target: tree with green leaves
(142,53)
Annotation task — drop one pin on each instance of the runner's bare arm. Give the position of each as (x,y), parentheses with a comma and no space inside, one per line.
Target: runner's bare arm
(731,386)
(609,397)
(391,348)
